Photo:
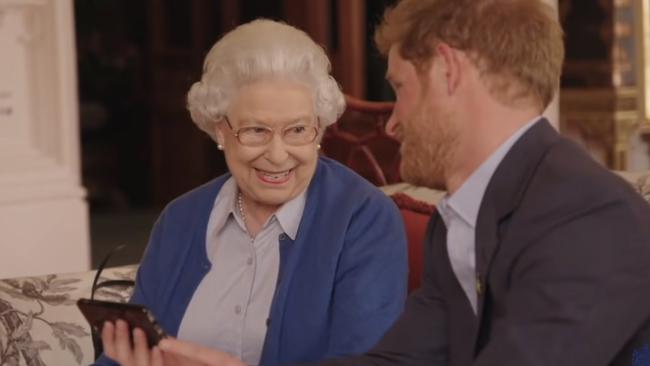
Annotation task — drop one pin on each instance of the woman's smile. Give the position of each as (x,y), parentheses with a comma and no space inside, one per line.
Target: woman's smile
(275,178)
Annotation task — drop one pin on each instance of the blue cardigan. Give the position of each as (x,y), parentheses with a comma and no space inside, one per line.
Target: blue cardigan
(341,283)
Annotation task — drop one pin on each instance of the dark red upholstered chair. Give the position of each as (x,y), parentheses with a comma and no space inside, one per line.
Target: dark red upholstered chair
(359,141)
(416,215)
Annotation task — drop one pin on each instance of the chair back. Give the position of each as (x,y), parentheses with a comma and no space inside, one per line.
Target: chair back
(359,141)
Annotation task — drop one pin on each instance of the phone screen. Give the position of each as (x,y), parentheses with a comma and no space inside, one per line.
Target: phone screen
(98,312)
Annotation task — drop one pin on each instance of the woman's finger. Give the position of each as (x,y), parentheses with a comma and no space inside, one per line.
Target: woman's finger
(123,349)
(140,348)
(108,340)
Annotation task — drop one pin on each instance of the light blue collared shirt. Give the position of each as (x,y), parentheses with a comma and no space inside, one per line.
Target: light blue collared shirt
(230,308)
(459,212)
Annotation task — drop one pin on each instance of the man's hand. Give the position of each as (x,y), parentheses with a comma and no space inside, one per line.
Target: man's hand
(117,346)
(177,353)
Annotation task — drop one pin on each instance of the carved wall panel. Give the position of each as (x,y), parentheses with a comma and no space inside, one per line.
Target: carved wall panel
(598,105)
(602,120)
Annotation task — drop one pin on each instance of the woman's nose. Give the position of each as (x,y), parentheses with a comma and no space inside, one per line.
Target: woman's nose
(276,150)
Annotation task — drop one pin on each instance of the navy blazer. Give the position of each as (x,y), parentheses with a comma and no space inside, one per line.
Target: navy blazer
(342,282)
(563,271)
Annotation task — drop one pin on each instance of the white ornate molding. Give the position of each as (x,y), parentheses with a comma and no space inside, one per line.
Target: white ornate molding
(42,204)
(6,5)
(20,3)
(38,98)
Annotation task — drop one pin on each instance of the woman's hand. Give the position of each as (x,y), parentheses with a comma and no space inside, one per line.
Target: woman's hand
(117,346)
(177,353)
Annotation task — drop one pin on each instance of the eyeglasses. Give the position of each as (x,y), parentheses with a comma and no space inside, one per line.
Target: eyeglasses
(294,135)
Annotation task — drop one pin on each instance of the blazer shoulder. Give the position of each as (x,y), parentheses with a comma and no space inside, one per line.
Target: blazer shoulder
(568,183)
(568,167)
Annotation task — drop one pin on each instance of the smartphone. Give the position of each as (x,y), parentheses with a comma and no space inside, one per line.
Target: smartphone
(97,312)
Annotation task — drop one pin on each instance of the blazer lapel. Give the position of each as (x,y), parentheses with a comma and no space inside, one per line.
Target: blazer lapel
(503,194)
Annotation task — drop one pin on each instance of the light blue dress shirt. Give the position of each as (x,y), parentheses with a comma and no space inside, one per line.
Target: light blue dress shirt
(230,308)
(459,212)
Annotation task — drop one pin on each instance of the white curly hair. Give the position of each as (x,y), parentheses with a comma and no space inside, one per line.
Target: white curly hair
(255,50)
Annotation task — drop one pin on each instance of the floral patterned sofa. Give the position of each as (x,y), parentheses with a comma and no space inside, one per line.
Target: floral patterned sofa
(40,323)
(39,320)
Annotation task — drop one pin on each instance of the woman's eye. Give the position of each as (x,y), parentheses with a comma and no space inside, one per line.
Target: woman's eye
(258,130)
(297,130)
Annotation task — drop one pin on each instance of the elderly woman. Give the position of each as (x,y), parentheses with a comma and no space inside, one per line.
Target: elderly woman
(290,257)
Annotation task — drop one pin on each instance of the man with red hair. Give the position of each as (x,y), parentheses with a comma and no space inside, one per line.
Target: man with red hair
(537,255)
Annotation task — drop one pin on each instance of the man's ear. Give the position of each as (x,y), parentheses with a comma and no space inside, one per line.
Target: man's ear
(451,63)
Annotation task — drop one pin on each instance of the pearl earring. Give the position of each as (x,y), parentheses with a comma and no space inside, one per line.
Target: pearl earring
(318,147)
(219,146)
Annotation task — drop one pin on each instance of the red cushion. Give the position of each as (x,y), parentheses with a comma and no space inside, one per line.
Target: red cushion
(416,215)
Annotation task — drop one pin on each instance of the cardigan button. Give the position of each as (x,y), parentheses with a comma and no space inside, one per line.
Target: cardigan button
(282,237)
(268,322)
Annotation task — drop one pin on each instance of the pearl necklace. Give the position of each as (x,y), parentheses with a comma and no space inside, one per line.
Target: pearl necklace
(240,207)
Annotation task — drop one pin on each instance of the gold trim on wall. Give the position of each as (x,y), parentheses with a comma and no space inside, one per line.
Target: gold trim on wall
(602,120)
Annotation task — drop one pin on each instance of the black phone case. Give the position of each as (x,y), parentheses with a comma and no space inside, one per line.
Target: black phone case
(97,312)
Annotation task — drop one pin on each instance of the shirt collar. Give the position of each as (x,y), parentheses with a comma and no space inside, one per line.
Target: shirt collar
(466,201)
(288,215)
(225,204)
